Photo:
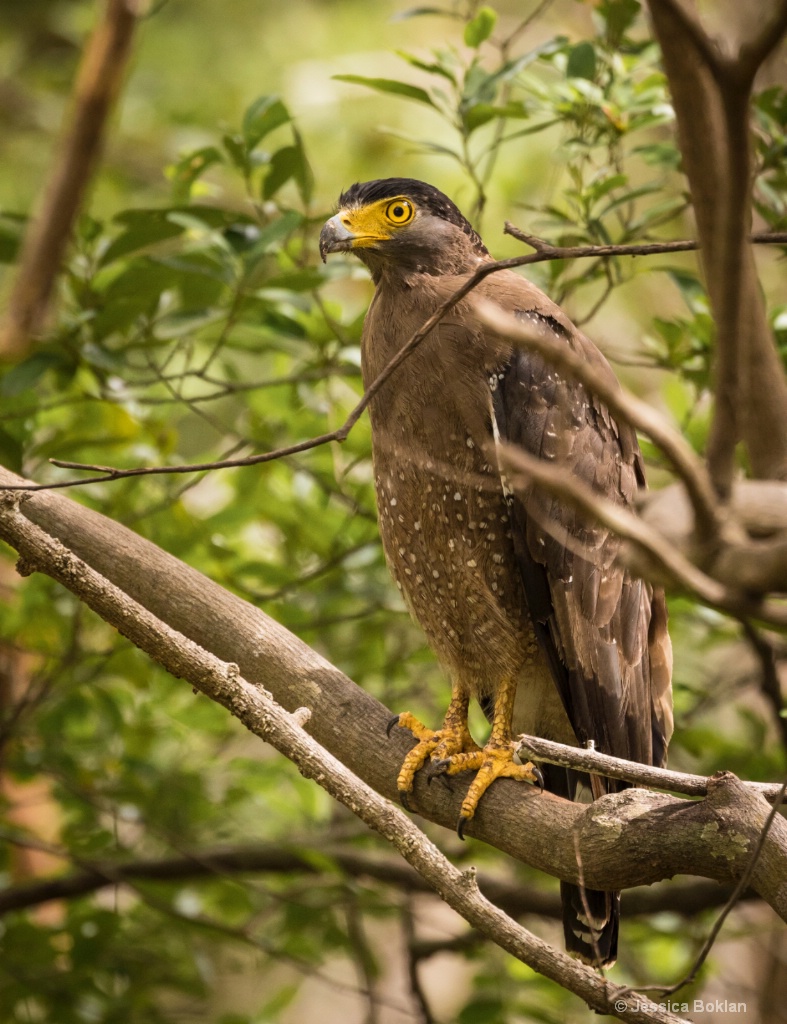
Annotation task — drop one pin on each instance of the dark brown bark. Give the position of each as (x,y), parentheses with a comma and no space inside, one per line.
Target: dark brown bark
(627,839)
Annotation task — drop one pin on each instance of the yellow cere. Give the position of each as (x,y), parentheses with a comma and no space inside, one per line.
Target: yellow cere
(373,223)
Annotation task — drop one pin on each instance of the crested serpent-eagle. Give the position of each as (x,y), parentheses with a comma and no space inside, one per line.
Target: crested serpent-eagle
(521,597)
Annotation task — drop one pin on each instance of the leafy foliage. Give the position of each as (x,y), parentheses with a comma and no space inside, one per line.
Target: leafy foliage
(199,323)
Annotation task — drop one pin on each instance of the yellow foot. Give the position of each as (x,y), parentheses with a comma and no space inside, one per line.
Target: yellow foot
(441,745)
(495,761)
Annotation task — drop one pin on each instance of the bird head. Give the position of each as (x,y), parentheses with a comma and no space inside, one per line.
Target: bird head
(404,223)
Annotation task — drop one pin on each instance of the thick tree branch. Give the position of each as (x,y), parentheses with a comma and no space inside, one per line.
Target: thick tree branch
(710,93)
(626,839)
(755,52)
(257,710)
(97,87)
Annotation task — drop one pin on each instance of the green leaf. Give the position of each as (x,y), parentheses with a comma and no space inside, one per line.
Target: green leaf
(390,85)
(619,15)
(481,27)
(27,374)
(419,12)
(264,114)
(512,68)
(482,1010)
(582,61)
(10,452)
(433,68)
(304,177)
(285,164)
(12,227)
(237,152)
(142,228)
(189,169)
(298,281)
(482,113)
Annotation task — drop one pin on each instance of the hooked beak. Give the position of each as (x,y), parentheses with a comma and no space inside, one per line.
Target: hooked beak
(335,237)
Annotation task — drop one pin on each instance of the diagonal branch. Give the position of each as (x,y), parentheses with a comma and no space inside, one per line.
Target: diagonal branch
(684,460)
(754,53)
(544,252)
(97,87)
(257,710)
(680,837)
(660,559)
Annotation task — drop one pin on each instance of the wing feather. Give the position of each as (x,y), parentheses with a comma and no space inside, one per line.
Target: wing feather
(607,647)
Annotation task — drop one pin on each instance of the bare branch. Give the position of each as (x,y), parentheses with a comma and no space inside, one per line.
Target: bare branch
(510,895)
(536,829)
(544,252)
(659,558)
(685,461)
(711,94)
(537,749)
(257,710)
(754,53)
(735,895)
(707,49)
(97,87)
(770,684)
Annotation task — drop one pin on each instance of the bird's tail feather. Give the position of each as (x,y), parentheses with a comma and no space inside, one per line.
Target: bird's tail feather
(590,924)
(591,918)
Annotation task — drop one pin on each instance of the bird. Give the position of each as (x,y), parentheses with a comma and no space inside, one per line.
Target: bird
(522,598)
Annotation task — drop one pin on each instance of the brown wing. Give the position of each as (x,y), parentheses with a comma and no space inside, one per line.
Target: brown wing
(603,630)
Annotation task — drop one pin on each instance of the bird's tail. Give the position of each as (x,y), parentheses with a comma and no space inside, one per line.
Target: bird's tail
(590,924)
(591,917)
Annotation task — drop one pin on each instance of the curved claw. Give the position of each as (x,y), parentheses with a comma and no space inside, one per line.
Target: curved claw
(435,768)
(391,723)
(460,826)
(404,799)
(539,778)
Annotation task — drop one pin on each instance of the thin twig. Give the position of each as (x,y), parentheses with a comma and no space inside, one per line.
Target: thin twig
(770,684)
(537,749)
(684,460)
(660,554)
(108,473)
(413,959)
(739,889)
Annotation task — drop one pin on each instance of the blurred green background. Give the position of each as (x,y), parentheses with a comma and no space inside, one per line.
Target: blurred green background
(194,321)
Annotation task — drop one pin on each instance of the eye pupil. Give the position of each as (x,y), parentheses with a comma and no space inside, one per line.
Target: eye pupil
(399,211)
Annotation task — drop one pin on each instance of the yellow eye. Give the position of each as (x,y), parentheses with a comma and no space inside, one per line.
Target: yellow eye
(399,211)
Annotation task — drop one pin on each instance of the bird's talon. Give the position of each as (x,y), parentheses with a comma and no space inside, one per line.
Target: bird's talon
(404,799)
(391,723)
(460,826)
(539,778)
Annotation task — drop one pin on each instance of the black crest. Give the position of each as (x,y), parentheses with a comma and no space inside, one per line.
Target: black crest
(424,195)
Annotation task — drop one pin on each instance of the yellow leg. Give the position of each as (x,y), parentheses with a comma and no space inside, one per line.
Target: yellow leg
(453,739)
(452,750)
(495,761)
